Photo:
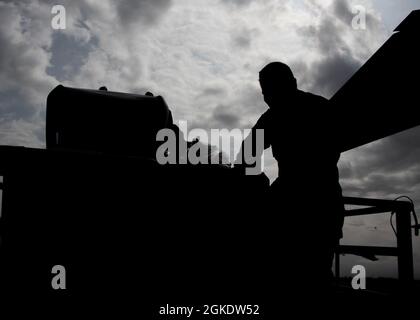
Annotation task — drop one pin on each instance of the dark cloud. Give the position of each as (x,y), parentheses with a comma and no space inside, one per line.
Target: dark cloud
(243,39)
(68,55)
(339,59)
(238,111)
(241,111)
(247,105)
(337,62)
(342,11)
(14,106)
(332,72)
(240,3)
(213,91)
(225,117)
(250,101)
(392,154)
(147,12)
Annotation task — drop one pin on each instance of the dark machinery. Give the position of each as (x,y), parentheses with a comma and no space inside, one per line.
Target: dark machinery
(105,121)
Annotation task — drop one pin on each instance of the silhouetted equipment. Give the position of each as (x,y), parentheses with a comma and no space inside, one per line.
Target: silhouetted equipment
(105,121)
(381,98)
(97,202)
(120,223)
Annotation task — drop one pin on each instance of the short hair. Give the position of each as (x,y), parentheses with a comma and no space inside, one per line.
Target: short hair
(277,70)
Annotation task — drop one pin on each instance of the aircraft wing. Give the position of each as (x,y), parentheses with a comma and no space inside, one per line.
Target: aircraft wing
(382,97)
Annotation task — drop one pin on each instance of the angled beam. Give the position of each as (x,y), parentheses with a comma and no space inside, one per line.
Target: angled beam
(379,203)
(368,250)
(382,89)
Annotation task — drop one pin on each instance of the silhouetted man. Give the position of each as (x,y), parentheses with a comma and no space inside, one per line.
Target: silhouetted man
(305,202)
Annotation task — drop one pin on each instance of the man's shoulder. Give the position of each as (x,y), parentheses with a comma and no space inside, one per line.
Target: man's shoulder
(313,98)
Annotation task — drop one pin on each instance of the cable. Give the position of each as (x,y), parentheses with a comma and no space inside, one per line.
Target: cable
(416,226)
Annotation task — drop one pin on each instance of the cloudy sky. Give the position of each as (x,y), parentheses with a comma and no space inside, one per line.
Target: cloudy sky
(203,56)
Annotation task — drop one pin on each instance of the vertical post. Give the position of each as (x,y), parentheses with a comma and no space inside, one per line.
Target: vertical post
(1,210)
(405,248)
(1,196)
(337,263)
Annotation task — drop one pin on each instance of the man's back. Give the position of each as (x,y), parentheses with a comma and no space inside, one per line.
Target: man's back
(302,138)
(307,195)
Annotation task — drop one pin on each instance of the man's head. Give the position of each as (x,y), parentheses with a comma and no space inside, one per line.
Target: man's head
(277,83)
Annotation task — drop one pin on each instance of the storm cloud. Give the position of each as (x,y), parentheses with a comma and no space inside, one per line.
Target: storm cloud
(342,49)
(146,12)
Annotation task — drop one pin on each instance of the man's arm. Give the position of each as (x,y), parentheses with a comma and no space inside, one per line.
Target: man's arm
(253,146)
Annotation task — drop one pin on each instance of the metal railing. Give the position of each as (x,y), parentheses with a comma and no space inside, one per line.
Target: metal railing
(404,249)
